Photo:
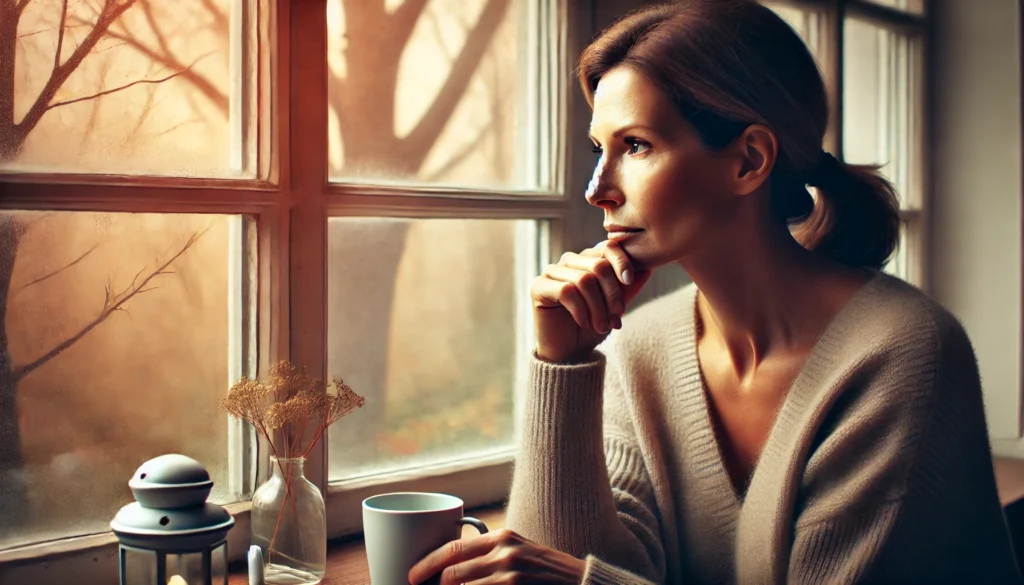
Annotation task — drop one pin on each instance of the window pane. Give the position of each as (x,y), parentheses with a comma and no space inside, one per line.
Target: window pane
(452,94)
(118,328)
(914,6)
(142,87)
(880,107)
(426,320)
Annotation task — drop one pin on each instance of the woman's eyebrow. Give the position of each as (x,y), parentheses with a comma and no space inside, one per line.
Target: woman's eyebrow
(627,128)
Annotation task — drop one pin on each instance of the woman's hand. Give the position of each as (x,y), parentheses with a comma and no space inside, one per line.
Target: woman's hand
(498,557)
(578,301)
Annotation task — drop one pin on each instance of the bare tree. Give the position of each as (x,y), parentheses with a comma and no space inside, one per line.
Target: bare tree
(153,42)
(12,134)
(106,24)
(12,229)
(364,99)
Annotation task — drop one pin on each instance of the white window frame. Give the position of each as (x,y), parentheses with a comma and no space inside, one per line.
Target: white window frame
(291,201)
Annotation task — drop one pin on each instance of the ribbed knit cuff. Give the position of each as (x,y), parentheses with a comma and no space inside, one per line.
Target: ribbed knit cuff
(599,572)
(560,473)
(562,396)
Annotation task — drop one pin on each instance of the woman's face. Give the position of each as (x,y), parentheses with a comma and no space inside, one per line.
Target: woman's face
(654,176)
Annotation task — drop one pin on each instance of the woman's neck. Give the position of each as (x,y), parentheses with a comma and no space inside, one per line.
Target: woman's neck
(764,294)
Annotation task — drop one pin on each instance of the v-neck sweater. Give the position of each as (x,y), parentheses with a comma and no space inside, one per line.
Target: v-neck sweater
(877,468)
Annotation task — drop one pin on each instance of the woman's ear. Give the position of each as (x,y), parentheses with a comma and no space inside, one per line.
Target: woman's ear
(756,150)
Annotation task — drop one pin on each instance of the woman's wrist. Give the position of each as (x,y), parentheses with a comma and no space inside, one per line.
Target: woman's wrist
(572,359)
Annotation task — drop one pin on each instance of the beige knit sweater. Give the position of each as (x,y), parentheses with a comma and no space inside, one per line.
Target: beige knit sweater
(877,469)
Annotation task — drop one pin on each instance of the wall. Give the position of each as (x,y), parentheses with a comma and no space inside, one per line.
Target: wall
(975,259)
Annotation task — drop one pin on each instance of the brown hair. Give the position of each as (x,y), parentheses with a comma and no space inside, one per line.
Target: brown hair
(727,64)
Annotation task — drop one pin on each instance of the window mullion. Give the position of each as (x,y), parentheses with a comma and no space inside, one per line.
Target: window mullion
(306,224)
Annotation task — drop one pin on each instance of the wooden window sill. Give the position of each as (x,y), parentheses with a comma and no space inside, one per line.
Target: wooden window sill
(346,558)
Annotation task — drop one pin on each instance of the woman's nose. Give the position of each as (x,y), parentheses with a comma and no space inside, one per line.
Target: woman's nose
(601,191)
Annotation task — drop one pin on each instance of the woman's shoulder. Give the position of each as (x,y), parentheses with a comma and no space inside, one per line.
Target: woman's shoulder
(891,313)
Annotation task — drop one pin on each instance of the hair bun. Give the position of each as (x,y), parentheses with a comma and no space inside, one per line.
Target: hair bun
(824,171)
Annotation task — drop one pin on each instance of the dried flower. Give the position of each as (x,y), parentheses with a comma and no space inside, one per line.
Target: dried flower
(290,401)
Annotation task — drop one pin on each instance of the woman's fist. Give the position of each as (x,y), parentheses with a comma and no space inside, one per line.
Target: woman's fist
(579,300)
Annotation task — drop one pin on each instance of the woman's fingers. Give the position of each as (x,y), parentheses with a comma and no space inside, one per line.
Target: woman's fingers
(453,553)
(632,290)
(589,287)
(554,294)
(488,566)
(607,279)
(618,259)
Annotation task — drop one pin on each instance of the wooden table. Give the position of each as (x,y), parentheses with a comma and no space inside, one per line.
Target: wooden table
(346,559)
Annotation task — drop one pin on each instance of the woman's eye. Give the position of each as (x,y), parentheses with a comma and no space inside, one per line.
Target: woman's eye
(637,146)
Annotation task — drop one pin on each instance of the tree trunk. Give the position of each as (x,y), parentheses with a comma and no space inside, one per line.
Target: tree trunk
(13,492)
(10,137)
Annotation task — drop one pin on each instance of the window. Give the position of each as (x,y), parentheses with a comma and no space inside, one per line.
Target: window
(882,110)
(880,64)
(132,191)
(117,324)
(190,195)
(448,140)
(112,87)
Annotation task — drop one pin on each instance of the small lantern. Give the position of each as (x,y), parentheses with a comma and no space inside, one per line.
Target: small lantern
(171,535)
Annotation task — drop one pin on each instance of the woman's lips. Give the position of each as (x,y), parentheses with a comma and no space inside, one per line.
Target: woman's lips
(621,234)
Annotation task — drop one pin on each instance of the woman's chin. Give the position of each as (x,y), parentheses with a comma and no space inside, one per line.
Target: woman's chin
(644,259)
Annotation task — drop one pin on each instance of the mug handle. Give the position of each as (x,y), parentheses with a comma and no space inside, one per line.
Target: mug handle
(475,523)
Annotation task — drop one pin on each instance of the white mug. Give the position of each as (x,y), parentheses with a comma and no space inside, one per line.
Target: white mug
(402,528)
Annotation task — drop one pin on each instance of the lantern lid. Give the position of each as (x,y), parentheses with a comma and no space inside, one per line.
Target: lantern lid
(138,519)
(171,481)
(171,511)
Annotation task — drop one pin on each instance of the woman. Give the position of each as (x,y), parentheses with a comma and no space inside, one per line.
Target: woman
(795,415)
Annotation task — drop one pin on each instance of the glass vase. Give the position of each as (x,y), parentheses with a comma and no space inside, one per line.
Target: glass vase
(289,524)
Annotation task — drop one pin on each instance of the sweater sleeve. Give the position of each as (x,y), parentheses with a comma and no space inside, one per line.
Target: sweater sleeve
(901,488)
(580,485)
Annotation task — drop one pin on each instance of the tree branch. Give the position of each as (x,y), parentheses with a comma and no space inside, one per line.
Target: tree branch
(111,304)
(112,10)
(216,97)
(147,9)
(61,269)
(110,91)
(220,20)
(405,18)
(430,126)
(60,34)
(38,218)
